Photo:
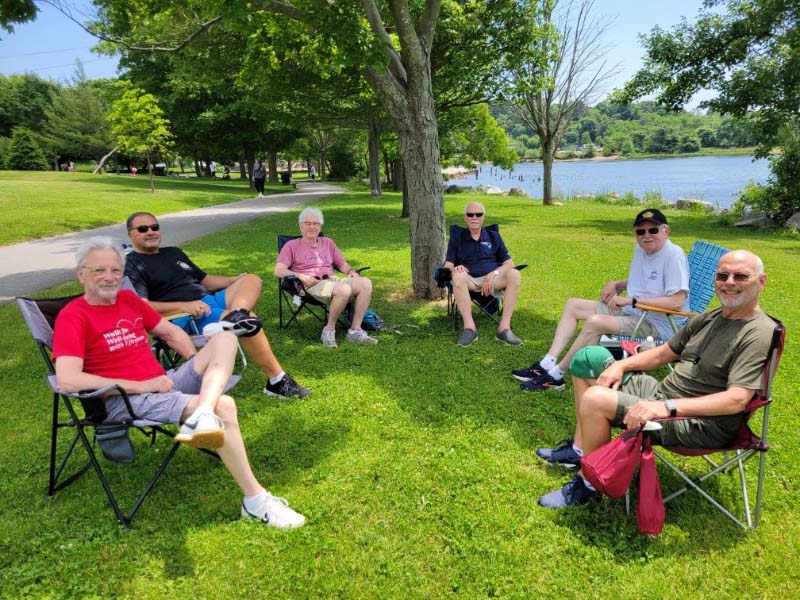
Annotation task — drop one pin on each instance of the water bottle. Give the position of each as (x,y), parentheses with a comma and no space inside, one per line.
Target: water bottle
(647,344)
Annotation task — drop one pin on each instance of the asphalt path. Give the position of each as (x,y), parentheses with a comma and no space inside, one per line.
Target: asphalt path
(30,267)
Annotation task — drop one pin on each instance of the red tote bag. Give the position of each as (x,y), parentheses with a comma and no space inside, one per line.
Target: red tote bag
(610,468)
(650,509)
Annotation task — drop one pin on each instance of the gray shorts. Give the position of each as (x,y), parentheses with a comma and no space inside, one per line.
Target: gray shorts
(708,432)
(166,407)
(627,323)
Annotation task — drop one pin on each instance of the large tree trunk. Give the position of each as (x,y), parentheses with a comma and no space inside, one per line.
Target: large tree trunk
(101,163)
(273,166)
(244,165)
(150,173)
(374,144)
(548,155)
(419,147)
(405,212)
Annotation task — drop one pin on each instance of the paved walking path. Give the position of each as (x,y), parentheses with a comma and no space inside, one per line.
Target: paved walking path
(30,267)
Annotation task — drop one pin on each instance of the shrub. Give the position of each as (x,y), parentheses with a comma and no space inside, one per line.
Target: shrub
(24,154)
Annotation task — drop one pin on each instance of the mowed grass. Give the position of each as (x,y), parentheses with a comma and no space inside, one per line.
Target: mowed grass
(413,459)
(43,203)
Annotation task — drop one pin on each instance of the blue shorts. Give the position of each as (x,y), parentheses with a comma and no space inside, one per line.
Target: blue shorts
(194,326)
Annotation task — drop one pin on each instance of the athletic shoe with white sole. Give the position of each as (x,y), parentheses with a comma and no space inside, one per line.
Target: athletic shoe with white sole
(286,388)
(241,323)
(275,512)
(204,430)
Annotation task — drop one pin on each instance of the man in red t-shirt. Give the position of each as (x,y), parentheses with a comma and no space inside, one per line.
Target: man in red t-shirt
(101,339)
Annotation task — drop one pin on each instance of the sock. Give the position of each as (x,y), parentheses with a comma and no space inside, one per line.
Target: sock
(578,451)
(556,373)
(200,410)
(254,502)
(548,362)
(588,485)
(353,330)
(277,378)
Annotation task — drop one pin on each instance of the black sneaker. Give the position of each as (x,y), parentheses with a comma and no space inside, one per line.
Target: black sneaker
(286,388)
(563,454)
(528,373)
(573,493)
(241,323)
(543,382)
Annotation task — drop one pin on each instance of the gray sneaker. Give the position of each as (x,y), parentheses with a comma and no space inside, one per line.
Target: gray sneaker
(467,337)
(328,338)
(359,336)
(508,337)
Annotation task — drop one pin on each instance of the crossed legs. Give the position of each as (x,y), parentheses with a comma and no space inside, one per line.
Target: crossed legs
(244,293)
(594,325)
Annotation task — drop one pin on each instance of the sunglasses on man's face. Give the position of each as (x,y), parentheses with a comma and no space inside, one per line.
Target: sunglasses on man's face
(473,215)
(650,230)
(723,277)
(146,228)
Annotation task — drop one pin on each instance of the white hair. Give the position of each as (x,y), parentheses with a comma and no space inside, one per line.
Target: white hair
(311,211)
(98,242)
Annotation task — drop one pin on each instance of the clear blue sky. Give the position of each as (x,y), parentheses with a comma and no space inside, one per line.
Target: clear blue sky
(50,45)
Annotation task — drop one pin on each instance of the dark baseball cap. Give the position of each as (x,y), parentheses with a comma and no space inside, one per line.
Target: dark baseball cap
(650,214)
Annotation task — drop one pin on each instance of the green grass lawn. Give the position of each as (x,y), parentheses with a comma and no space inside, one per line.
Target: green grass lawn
(413,459)
(43,203)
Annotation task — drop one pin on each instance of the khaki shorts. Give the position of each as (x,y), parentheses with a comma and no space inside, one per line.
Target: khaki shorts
(627,323)
(477,282)
(708,432)
(323,291)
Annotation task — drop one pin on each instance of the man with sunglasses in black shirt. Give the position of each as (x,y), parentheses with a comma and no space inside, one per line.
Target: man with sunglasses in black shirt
(658,276)
(172,284)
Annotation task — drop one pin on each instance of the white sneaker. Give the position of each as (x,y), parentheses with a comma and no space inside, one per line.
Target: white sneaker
(328,338)
(359,336)
(204,430)
(275,512)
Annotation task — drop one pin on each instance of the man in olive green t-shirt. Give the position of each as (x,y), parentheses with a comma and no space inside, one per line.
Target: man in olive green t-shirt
(721,356)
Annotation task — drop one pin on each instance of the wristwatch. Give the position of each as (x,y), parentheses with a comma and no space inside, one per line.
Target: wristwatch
(672,407)
(633,303)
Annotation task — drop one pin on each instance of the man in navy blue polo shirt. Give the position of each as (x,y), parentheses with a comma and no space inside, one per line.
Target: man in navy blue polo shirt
(480,262)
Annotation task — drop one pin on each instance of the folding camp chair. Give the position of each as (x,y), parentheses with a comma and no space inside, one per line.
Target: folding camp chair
(40,317)
(744,446)
(490,306)
(293,299)
(703,259)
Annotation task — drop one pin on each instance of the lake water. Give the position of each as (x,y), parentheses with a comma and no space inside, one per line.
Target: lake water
(715,179)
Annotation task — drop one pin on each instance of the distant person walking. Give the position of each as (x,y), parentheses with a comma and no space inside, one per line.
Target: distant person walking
(259,177)
(134,170)
(312,172)
(212,169)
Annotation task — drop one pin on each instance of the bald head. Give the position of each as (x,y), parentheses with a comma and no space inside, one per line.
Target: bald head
(739,280)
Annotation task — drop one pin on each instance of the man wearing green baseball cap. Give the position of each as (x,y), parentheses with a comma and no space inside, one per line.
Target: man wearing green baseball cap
(719,361)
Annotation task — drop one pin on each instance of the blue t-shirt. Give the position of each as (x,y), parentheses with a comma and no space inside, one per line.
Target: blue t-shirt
(479,256)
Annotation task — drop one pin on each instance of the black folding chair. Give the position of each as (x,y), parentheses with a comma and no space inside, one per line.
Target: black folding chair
(490,306)
(292,297)
(40,317)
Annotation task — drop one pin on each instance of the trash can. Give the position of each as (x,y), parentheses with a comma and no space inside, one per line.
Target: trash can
(286,178)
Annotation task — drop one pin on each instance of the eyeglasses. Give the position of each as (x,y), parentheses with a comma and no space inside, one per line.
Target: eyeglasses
(100,271)
(146,228)
(650,230)
(311,223)
(473,215)
(723,277)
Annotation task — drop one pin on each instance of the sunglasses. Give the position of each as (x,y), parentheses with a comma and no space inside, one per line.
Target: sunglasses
(650,230)
(146,228)
(737,277)
(472,215)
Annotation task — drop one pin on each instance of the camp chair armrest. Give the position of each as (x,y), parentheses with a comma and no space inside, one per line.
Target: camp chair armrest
(520,267)
(178,315)
(666,311)
(359,271)
(100,393)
